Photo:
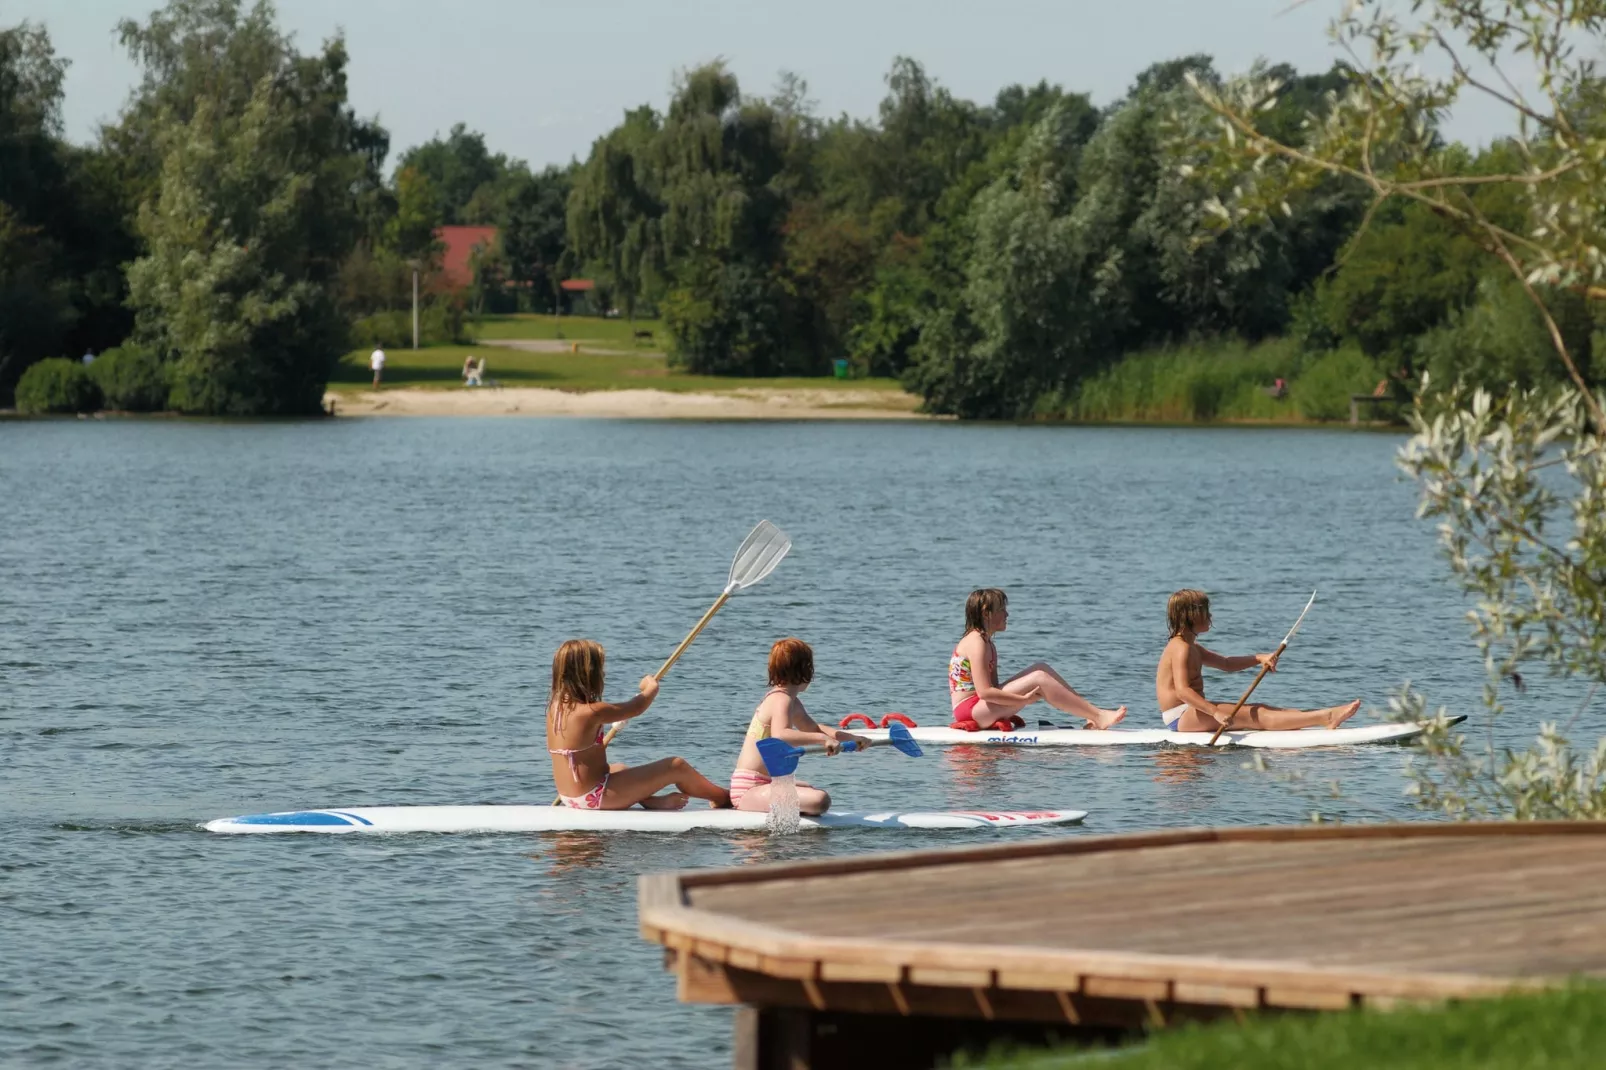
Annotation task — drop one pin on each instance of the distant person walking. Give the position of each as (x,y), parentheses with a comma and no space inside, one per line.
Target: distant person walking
(376,361)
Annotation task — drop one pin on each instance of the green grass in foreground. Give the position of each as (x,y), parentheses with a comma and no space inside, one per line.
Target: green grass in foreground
(441,367)
(1560,1030)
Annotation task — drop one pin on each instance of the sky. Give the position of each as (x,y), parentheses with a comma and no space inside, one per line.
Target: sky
(543,79)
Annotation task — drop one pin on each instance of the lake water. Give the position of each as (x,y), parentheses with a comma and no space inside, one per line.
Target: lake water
(199,620)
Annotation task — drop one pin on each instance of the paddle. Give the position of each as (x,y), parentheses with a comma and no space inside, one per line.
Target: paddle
(755,558)
(780,757)
(1264,669)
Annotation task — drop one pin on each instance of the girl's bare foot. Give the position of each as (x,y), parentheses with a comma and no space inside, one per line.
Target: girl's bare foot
(1108,718)
(674,800)
(1339,714)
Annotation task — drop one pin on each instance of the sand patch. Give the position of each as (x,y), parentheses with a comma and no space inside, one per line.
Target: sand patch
(744,404)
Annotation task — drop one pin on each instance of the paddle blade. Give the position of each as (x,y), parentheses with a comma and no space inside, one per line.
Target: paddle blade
(899,737)
(758,555)
(780,757)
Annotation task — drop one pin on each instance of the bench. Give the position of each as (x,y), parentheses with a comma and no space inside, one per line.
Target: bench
(1357,400)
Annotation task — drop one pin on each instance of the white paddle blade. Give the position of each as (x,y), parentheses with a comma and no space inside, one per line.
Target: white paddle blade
(758,555)
(1301,619)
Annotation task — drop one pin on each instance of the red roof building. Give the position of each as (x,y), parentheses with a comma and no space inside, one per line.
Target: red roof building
(457,247)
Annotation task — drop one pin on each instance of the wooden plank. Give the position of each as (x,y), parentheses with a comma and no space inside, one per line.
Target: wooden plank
(1309,998)
(1216,995)
(892,861)
(1126,987)
(861,971)
(948,976)
(889,929)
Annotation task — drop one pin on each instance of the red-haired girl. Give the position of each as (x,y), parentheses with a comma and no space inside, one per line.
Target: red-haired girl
(780,715)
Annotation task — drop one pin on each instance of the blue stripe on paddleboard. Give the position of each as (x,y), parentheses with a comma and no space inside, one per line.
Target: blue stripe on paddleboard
(304,817)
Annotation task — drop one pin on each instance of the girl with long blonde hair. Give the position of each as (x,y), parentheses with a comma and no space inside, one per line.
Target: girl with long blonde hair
(575,717)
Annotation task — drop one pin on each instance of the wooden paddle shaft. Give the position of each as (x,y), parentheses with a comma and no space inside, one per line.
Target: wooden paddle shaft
(679,650)
(1259,676)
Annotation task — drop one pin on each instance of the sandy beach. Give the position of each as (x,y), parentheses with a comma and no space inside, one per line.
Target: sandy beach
(744,404)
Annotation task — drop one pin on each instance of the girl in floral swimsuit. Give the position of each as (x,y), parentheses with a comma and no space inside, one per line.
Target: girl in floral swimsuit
(980,701)
(575,718)
(780,715)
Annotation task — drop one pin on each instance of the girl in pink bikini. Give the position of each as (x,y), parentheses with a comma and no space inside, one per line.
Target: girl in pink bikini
(575,717)
(980,701)
(780,715)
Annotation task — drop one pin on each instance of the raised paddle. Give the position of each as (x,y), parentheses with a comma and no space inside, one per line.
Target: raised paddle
(780,757)
(1264,669)
(755,558)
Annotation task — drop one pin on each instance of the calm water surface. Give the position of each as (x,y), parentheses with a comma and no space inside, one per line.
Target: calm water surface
(202,620)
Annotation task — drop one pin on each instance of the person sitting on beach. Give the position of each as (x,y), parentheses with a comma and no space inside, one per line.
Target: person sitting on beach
(780,715)
(472,370)
(1179,681)
(980,701)
(575,718)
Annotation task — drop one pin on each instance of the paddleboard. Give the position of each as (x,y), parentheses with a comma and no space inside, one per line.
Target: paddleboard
(1114,737)
(563,819)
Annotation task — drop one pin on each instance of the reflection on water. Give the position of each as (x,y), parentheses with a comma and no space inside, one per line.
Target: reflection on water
(1176,765)
(978,767)
(571,853)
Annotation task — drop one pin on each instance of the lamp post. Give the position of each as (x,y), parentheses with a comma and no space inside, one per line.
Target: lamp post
(414,265)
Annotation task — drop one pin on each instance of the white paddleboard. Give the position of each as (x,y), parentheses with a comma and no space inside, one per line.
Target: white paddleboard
(563,819)
(1114,737)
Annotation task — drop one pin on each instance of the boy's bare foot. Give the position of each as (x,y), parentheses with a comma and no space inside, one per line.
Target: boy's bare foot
(675,800)
(1108,718)
(1339,714)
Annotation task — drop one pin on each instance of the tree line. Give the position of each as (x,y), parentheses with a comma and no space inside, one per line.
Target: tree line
(235,231)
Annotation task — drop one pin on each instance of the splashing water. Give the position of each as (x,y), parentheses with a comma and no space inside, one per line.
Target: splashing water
(785,818)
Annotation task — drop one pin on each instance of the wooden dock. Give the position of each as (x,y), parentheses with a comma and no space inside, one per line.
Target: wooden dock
(895,960)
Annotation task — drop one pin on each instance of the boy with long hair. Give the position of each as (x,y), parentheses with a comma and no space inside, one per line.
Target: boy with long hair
(1179,681)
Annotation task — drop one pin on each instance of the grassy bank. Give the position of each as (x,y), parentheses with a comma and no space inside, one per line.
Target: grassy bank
(607,359)
(1563,1030)
(610,333)
(1222,380)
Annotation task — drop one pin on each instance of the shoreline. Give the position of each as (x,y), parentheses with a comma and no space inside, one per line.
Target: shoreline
(634,404)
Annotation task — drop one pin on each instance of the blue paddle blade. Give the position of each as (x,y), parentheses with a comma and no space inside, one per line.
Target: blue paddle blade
(899,737)
(780,757)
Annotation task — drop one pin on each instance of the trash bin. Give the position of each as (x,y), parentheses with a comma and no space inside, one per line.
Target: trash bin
(841,368)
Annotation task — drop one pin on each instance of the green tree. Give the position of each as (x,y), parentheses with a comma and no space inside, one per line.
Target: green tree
(34,306)
(614,212)
(1515,477)
(410,232)
(535,238)
(720,162)
(471,184)
(254,210)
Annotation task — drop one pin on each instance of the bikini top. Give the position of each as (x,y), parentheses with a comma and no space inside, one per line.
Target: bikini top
(959,674)
(759,727)
(569,752)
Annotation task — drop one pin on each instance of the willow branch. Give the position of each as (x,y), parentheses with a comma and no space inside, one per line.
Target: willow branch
(1597,416)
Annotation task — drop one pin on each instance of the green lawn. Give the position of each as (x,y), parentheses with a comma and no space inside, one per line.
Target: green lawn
(612,333)
(1561,1030)
(440,367)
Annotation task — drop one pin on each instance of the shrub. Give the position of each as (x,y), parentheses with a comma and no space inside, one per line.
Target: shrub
(1322,392)
(445,323)
(57,385)
(1222,379)
(132,378)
